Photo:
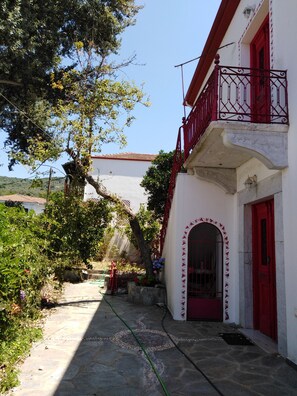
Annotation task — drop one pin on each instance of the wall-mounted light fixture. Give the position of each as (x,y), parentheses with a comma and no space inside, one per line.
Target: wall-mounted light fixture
(251,182)
(248,10)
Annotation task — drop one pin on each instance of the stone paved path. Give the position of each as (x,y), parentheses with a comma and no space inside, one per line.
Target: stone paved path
(87,351)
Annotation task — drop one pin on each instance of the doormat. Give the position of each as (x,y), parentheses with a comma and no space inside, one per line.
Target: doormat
(235,339)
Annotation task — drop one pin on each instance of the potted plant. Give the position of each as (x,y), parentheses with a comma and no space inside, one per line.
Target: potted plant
(148,290)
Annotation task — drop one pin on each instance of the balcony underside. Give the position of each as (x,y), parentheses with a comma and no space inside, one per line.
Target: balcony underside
(225,146)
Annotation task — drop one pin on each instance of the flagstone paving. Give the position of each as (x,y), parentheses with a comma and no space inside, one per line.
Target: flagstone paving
(87,350)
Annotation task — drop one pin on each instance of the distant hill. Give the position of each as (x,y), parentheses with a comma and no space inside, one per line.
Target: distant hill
(34,188)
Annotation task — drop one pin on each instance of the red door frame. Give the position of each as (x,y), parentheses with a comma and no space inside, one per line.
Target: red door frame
(260,60)
(264,275)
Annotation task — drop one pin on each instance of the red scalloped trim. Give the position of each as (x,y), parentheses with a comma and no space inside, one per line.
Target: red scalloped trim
(226,263)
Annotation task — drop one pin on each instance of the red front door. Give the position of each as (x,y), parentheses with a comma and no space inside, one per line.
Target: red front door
(260,83)
(264,289)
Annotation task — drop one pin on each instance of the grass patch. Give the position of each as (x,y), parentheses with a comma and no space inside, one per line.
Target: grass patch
(15,345)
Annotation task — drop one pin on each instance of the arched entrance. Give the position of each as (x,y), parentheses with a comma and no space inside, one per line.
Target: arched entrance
(205,273)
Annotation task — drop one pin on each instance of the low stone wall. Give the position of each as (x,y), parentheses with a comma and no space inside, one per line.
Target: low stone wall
(146,295)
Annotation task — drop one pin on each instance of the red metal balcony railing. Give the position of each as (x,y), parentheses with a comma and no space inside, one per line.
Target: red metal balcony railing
(176,167)
(237,94)
(230,94)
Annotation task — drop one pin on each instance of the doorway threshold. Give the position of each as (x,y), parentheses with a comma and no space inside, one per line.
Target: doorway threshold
(261,340)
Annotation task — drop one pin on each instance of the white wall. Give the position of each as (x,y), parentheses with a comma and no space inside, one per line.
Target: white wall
(122,177)
(251,168)
(192,200)
(283,31)
(38,208)
(233,53)
(285,57)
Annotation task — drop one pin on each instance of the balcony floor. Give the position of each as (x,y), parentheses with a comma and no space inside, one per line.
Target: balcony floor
(230,144)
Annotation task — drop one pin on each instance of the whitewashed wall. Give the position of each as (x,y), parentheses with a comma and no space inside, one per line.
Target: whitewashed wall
(285,57)
(251,168)
(192,202)
(122,177)
(283,54)
(38,208)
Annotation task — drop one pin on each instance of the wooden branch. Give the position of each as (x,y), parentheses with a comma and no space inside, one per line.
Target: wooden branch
(99,188)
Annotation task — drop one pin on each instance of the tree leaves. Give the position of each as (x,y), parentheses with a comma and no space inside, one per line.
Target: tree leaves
(41,37)
(156,182)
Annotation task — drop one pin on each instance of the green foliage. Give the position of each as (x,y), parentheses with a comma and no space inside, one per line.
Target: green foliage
(145,280)
(75,228)
(125,266)
(36,37)
(69,96)
(149,225)
(14,346)
(35,187)
(156,182)
(95,109)
(23,265)
(24,269)
(103,245)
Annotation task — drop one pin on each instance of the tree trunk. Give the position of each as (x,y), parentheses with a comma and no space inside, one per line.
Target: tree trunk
(145,251)
(142,245)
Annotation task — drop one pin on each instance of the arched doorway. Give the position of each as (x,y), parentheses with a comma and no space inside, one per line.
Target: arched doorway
(205,273)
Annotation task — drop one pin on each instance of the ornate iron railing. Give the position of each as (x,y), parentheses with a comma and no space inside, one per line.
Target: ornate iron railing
(230,94)
(176,167)
(238,94)
(253,95)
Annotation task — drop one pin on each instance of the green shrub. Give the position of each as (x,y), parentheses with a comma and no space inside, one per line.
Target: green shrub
(24,268)
(150,228)
(14,346)
(75,228)
(23,263)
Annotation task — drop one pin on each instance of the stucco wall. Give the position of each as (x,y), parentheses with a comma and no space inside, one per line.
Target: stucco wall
(122,177)
(285,57)
(38,208)
(192,200)
(269,185)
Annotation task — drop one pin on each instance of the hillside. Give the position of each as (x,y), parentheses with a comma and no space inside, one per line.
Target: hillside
(35,188)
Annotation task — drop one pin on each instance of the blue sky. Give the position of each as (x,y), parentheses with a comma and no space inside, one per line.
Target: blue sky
(167,33)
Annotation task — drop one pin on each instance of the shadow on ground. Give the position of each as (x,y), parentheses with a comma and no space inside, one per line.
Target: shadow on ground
(109,361)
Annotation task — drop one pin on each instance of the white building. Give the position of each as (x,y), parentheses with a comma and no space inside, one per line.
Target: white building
(121,174)
(228,235)
(29,203)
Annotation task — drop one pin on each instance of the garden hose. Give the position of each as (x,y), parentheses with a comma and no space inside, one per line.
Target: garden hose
(186,356)
(141,346)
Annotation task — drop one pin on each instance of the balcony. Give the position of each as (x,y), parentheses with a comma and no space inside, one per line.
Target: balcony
(241,113)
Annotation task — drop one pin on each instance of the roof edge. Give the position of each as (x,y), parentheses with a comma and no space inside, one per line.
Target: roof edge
(221,23)
(126,157)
